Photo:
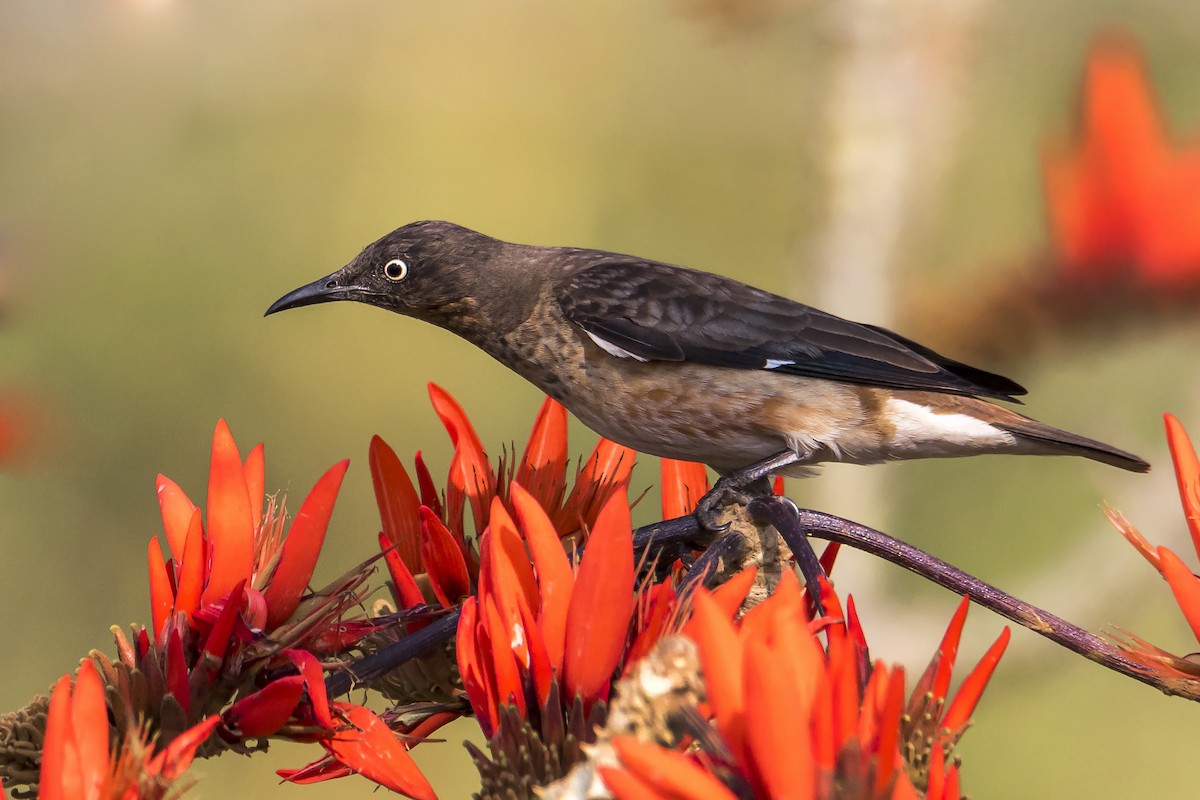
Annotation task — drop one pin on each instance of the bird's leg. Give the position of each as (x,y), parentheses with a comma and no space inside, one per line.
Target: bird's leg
(741,486)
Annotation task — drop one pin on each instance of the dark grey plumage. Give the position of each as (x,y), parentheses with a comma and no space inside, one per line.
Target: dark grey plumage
(691,365)
(660,312)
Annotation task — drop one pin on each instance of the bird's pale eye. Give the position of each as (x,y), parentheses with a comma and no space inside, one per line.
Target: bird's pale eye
(396,269)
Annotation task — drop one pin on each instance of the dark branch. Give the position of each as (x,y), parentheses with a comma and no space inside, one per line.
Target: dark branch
(388,658)
(1054,628)
(780,513)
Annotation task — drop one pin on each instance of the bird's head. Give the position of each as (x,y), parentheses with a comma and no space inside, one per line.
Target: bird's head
(430,270)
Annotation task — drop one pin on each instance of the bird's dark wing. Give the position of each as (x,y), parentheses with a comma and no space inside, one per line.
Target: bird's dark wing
(657,312)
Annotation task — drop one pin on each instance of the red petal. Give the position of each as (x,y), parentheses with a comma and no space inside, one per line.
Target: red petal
(314,681)
(469,468)
(397,501)
(964,703)
(721,659)
(472,671)
(176,510)
(829,556)
(407,591)
(671,773)
(1187,475)
(177,757)
(267,710)
(54,782)
(777,732)
(625,785)
(539,666)
(953,791)
(683,484)
(605,470)
(843,683)
(255,470)
(886,752)
(601,604)
(1184,585)
(177,671)
(948,650)
(510,690)
(217,642)
(323,769)
(555,578)
(302,546)
(162,599)
(444,562)
(508,546)
(936,780)
(371,749)
(543,468)
(429,492)
(89,729)
(191,568)
(903,789)
(430,725)
(230,522)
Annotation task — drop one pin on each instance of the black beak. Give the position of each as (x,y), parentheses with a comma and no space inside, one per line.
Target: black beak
(325,290)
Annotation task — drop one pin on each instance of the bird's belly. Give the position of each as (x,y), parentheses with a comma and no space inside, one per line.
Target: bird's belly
(727,418)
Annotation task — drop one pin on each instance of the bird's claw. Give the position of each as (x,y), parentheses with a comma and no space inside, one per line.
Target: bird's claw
(729,490)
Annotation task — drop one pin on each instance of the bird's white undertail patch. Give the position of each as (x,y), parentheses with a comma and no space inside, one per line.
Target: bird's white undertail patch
(919,427)
(611,348)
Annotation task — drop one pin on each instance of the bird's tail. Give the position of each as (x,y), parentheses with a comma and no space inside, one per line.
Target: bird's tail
(1046,439)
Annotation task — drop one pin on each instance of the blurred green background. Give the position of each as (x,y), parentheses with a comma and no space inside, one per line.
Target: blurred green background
(168,168)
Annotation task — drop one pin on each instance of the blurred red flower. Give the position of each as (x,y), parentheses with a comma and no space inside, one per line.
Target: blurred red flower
(1124,201)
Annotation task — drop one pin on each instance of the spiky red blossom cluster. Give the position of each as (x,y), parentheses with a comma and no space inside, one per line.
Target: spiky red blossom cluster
(426,535)
(791,706)
(801,713)
(1183,582)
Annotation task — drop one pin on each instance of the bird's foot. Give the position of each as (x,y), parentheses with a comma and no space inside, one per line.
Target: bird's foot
(730,490)
(739,488)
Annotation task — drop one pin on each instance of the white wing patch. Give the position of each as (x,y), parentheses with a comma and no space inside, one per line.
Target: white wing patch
(611,348)
(776,363)
(919,428)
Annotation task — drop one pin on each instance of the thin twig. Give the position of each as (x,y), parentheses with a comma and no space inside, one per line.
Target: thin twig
(1054,628)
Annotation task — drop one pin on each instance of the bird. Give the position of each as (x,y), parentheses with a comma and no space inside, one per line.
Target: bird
(695,366)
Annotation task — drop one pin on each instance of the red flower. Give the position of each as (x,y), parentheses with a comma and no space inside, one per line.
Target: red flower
(542,624)
(241,544)
(423,535)
(1124,199)
(1185,585)
(77,763)
(795,718)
